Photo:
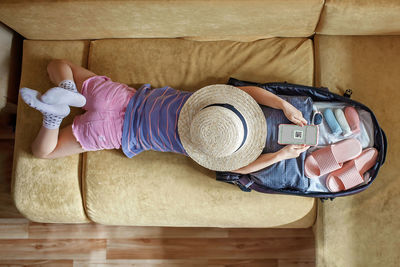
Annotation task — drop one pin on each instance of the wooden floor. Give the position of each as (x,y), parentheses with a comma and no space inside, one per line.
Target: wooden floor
(24,243)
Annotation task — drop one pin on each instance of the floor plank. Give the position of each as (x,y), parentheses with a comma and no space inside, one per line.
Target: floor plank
(13,228)
(211,248)
(269,232)
(37,249)
(244,263)
(37,263)
(98,231)
(180,263)
(296,263)
(93,231)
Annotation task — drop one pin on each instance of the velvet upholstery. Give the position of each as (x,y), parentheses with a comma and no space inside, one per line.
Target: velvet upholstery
(363,230)
(217,20)
(167,189)
(46,190)
(360,17)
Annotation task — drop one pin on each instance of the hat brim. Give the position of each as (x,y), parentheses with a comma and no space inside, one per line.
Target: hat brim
(246,105)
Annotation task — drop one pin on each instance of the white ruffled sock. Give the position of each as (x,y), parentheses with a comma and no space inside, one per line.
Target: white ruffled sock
(68,85)
(65,93)
(52,114)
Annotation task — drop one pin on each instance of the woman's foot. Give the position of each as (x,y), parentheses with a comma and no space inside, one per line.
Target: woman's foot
(66,93)
(52,114)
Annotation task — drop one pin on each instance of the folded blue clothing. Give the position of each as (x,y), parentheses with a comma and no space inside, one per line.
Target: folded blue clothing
(341,119)
(332,122)
(286,174)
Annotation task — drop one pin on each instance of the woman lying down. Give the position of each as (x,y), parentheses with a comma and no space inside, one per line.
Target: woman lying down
(221,127)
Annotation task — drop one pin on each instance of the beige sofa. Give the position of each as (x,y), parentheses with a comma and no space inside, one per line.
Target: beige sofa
(189,44)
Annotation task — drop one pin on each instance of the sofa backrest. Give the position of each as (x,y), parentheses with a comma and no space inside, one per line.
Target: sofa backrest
(243,20)
(210,20)
(360,17)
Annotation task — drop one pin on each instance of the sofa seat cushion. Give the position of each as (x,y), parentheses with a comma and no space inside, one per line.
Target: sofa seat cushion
(166,189)
(46,190)
(363,229)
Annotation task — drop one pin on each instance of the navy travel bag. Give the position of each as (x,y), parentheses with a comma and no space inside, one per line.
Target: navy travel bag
(287,177)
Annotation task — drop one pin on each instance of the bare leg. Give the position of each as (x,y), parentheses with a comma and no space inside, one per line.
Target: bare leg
(52,143)
(60,69)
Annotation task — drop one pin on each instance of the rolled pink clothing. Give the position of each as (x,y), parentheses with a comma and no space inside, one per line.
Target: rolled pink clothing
(100,127)
(352,119)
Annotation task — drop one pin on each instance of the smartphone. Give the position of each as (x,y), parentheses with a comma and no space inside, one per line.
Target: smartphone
(292,134)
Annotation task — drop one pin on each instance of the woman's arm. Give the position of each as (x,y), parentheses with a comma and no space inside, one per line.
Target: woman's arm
(265,160)
(269,99)
(264,97)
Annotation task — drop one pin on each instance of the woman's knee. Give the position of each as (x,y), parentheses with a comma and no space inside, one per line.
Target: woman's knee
(39,154)
(59,70)
(43,155)
(54,63)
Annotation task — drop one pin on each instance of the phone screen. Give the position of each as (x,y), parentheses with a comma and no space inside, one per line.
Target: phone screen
(298,135)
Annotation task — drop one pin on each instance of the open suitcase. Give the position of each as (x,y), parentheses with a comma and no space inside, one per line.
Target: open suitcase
(273,179)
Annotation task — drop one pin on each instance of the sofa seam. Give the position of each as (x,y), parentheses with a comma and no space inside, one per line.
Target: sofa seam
(320,17)
(83,156)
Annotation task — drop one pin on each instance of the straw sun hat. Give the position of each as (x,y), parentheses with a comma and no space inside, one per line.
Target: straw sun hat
(222,128)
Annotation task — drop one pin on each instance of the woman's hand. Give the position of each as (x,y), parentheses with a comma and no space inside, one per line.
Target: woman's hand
(292,151)
(293,114)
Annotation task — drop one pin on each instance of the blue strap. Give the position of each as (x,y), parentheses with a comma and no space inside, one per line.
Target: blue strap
(244,183)
(228,106)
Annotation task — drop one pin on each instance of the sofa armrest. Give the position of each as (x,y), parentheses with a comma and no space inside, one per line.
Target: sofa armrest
(45,190)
